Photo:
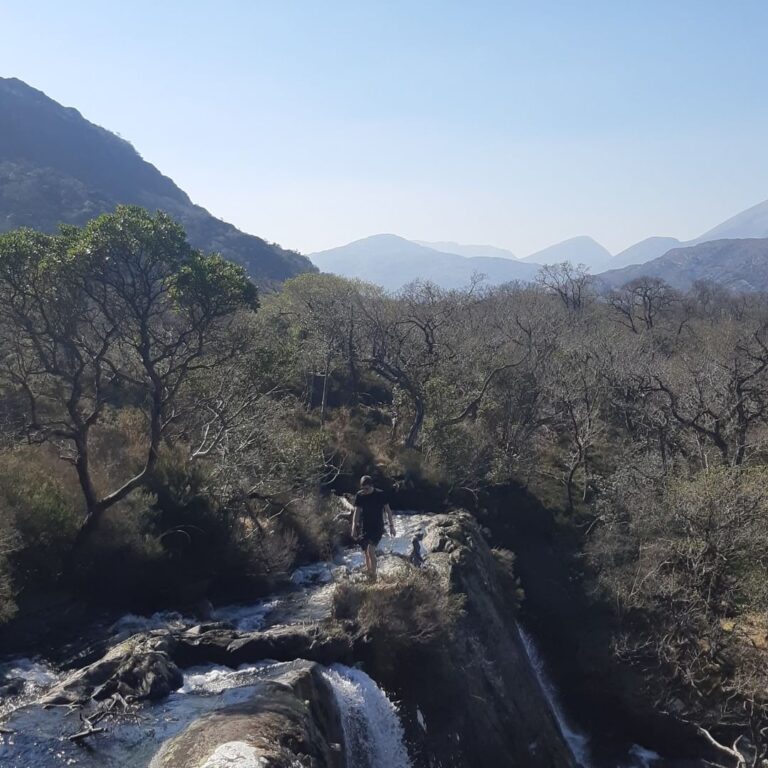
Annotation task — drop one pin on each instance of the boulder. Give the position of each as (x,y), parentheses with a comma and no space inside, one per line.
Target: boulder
(196,647)
(292,721)
(138,668)
(324,643)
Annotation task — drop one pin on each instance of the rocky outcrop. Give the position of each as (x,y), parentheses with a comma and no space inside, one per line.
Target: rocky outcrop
(292,721)
(323,642)
(137,669)
(474,700)
(148,666)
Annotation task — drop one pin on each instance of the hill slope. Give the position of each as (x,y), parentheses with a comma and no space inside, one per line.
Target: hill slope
(645,250)
(752,223)
(56,167)
(391,262)
(577,250)
(741,265)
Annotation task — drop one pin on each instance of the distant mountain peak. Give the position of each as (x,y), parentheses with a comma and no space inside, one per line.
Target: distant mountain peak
(581,249)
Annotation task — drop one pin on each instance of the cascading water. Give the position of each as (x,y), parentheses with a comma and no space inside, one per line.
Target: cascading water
(373,734)
(23,680)
(577,741)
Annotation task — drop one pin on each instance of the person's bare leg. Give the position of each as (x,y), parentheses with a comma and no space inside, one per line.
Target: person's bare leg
(371,552)
(367,560)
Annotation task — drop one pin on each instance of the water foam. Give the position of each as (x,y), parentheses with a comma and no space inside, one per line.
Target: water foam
(373,734)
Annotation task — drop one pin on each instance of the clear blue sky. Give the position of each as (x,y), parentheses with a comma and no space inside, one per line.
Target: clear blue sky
(512,123)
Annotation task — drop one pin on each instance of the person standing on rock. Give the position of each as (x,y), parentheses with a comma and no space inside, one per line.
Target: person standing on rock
(368,521)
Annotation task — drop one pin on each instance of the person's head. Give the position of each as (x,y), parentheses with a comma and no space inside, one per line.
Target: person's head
(366,483)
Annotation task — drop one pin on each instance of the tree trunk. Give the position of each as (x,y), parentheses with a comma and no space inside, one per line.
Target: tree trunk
(569,485)
(414,433)
(324,400)
(354,377)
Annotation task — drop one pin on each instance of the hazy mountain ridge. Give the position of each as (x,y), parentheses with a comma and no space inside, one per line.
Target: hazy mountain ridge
(392,261)
(470,251)
(57,167)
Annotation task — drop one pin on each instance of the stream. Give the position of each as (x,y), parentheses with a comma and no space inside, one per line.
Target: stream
(33,737)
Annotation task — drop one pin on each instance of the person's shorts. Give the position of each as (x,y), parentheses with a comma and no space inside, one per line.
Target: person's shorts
(370,537)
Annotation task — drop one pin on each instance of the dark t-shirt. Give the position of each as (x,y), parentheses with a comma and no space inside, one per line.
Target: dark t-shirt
(371,511)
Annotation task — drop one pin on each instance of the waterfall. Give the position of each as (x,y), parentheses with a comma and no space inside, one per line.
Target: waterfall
(577,741)
(373,735)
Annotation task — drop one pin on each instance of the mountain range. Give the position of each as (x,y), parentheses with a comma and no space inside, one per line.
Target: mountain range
(732,254)
(57,167)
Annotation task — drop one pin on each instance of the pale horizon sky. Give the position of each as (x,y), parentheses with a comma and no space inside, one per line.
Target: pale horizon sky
(516,124)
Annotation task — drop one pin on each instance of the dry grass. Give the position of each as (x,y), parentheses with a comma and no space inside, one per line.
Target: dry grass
(412,609)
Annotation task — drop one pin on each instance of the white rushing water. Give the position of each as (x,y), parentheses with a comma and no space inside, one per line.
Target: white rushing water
(577,741)
(214,678)
(23,681)
(373,734)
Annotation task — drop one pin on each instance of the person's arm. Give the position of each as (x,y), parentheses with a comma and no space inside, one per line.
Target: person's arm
(391,520)
(355,521)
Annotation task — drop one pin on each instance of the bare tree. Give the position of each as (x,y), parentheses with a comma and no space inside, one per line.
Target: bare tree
(571,284)
(640,302)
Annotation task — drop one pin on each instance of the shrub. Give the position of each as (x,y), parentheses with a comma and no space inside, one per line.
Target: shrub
(41,506)
(8,542)
(684,561)
(400,614)
(312,521)
(268,549)
(120,563)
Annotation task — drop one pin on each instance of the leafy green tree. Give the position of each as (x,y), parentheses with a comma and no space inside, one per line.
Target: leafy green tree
(121,311)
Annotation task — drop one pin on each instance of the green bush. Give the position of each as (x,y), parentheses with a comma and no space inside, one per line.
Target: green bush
(43,510)
(7,599)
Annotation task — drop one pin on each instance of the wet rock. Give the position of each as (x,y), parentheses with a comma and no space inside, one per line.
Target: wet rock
(136,669)
(323,642)
(291,721)
(197,647)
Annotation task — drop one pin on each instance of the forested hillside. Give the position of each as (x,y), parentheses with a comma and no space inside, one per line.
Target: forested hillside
(56,167)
